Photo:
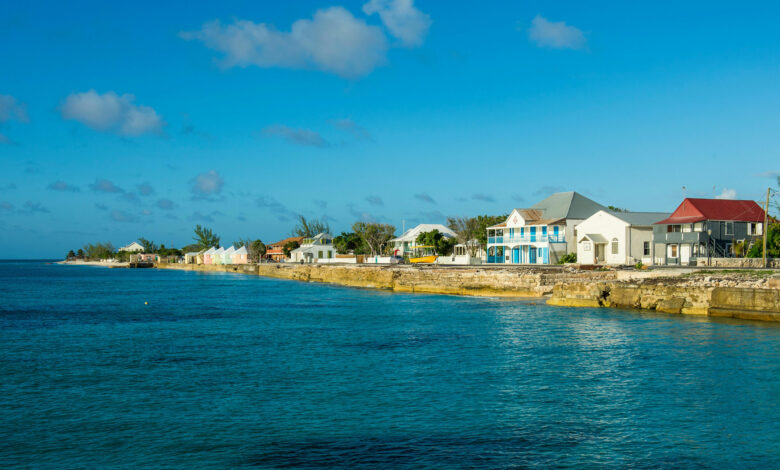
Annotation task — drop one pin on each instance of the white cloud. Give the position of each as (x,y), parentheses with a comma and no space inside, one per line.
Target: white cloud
(333,41)
(110,112)
(10,109)
(206,185)
(557,35)
(402,19)
(297,136)
(727,194)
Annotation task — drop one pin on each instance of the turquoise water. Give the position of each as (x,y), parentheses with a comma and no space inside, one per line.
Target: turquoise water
(232,371)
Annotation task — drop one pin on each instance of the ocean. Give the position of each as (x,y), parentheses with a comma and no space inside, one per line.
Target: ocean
(121,368)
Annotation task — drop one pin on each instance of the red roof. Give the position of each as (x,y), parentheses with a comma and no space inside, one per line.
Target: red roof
(696,210)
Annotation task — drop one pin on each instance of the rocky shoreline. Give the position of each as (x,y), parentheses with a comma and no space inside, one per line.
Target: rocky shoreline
(751,295)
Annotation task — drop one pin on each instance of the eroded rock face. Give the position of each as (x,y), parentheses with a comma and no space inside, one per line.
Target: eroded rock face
(741,295)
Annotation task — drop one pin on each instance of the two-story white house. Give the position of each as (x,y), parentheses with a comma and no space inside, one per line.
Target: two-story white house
(313,249)
(407,242)
(542,233)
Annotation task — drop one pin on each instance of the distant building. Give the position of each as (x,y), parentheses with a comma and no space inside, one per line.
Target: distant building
(241,256)
(617,238)
(227,255)
(314,248)
(541,234)
(216,257)
(407,242)
(194,257)
(275,251)
(706,228)
(208,256)
(134,247)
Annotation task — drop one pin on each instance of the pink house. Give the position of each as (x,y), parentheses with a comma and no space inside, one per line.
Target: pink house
(208,256)
(241,256)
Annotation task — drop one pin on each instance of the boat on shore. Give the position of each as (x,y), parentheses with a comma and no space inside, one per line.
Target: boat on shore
(424,255)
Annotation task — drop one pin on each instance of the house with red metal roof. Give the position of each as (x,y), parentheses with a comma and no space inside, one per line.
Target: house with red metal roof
(704,228)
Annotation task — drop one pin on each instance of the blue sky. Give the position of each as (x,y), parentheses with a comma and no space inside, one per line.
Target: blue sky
(120,121)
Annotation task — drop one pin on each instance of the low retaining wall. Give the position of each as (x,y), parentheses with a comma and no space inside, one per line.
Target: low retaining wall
(772,263)
(564,286)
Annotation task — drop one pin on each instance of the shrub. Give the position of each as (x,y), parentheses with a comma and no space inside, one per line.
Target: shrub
(568,258)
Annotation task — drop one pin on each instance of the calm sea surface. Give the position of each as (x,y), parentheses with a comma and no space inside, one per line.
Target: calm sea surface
(232,371)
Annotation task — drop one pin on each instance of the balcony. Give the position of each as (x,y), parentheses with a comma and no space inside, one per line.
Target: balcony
(528,239)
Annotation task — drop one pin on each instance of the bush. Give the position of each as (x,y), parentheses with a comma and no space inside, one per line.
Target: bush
(568,258)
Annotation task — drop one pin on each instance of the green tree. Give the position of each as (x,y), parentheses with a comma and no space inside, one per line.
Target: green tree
(466,229)
(80,254)
(205,238)
(149,246)
(98,251)
(772,244)
(349,243)
(483,222)
(617,209)
(70,255)
(256,249)
(441,244)
(289,247)
(374,235)
(310,228)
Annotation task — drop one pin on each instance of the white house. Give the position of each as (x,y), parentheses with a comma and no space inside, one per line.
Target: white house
(609,237)
(406,243)
(314,249)
(134,247)
(541,234)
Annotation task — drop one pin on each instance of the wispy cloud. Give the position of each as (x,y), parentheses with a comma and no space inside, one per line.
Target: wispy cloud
(112,113)
(555,35)
(769,174)
(31,207)
(206,185)
(103,185)
(333,41)
(402,19)
(11,110)
(145,189)
(280,210)
(483,197)
(424,197)
(297,136)
(101,207)
(6,206)
(433,216)
(348,125)
(375,201)
(322,205)
(546,190)
(165,204)
(727,194)
(8,186)
(518,198)
(122,216)
(62,186)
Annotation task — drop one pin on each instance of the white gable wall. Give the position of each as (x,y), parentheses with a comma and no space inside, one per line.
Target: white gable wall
(609,227)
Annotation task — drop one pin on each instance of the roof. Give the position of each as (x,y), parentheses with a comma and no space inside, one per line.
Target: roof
(411,234)
(568,205)
(287,240)
(241,251)
(640,218)
(697,210)
(229,251)
(594,237)
(210,251)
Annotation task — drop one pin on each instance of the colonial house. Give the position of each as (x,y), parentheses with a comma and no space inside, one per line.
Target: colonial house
(194,257)
(542,233)
(216,257)
(241,256)
(134,247)
(208,256)
(704,228)
(275,251)
(407,242)
(617,238)
(314,249)
(227,255)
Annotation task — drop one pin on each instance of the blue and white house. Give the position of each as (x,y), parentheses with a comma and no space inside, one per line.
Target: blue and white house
(541,234)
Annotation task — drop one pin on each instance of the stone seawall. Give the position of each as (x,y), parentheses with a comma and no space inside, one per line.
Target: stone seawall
(755,300)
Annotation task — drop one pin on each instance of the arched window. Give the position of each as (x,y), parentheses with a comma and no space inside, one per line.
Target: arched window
(614,246)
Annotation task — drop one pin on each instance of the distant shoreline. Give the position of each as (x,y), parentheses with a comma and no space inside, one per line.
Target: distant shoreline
(102,264)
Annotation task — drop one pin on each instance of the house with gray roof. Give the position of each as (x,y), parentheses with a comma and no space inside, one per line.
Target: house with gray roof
(542,233)
(616,238)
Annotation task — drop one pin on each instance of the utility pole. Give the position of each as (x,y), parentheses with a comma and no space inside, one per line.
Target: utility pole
(766,222)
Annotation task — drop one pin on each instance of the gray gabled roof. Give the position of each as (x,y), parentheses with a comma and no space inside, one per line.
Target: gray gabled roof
(640,218)
(568,205)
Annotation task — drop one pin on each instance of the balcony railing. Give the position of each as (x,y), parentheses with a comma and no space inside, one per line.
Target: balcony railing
(529,239)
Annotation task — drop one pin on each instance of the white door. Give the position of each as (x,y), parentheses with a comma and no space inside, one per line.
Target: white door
(685,254)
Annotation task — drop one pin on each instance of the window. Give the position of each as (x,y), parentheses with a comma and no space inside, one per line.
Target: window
(729,228)
(319,254)
(698,227)
(615,246)
(646,248)
(330,254)
(673,251)
(586,246)
(673,228)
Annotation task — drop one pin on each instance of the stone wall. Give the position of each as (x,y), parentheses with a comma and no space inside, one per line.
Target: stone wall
(772,263)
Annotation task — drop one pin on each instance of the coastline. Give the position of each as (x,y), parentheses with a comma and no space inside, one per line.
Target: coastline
(723,294)
(103,264)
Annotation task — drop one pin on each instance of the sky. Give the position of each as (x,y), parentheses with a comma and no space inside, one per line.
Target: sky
(121,120)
